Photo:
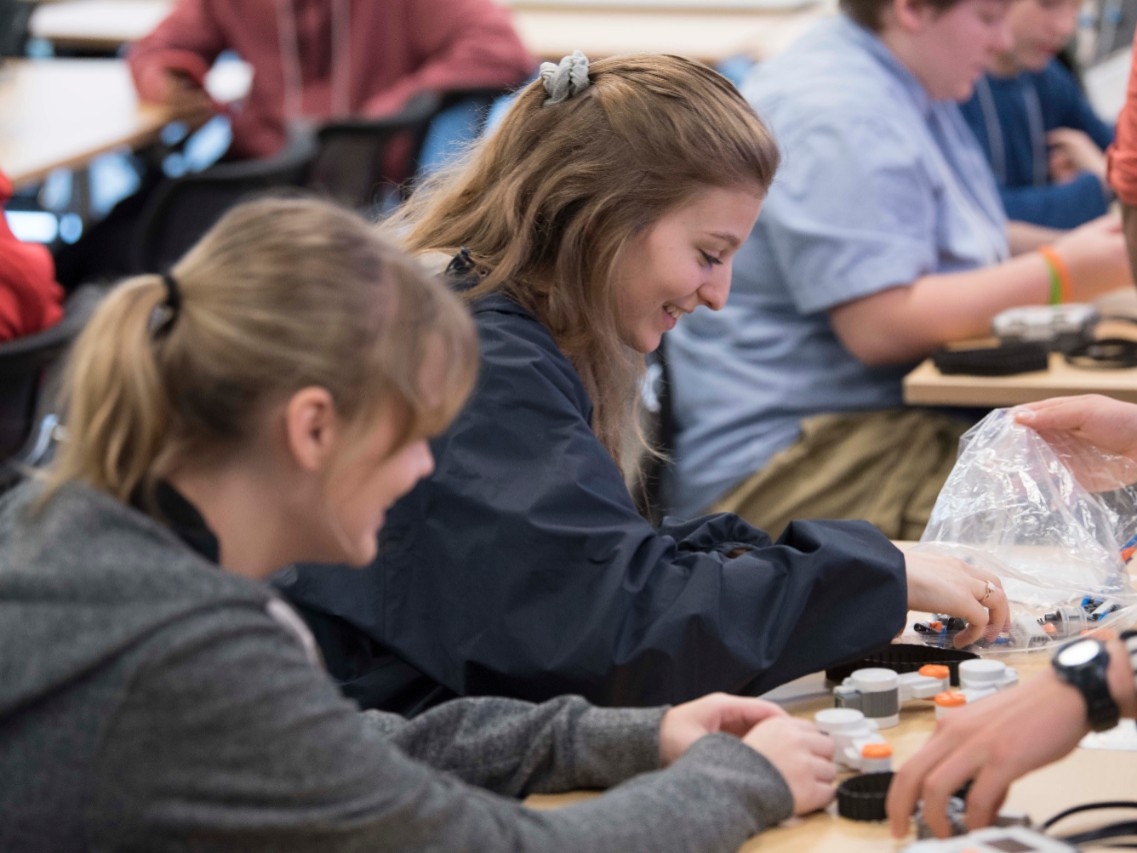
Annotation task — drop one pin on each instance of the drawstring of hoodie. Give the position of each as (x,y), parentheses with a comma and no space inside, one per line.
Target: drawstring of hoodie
(289,43)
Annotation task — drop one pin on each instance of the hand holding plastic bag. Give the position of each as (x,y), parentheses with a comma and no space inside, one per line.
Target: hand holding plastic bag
(1050,513)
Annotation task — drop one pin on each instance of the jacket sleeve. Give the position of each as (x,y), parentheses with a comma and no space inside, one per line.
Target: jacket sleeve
(1077,112)
(464,44)
(522,568)
(229,739)
(1058,205)
(187,39)
(1082,199)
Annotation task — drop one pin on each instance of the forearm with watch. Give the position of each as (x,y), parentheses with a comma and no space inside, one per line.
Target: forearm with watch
(1103,669)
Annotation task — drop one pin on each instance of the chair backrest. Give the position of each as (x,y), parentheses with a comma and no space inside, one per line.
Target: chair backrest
(182,209)
(14,18)
(29,368)
(366,163)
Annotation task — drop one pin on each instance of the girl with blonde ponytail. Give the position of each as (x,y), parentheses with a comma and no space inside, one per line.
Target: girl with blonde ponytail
(265,401)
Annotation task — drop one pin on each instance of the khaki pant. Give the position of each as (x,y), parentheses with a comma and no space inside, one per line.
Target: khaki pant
(884,467)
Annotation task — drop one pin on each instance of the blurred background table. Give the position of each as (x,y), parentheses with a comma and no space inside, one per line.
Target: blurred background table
(61,113)
(710,31)
(926,386)
(97,26)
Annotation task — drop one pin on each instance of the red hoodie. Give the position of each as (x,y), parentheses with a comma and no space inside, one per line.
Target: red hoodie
(30,300)
(325,59)
(1123,152)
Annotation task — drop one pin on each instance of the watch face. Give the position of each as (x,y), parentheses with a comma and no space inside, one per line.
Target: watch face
(1079,653)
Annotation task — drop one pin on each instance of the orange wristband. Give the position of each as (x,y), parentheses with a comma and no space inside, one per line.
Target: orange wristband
(1059,275)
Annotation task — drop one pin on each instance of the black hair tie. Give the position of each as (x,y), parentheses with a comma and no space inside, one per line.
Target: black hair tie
(166,312)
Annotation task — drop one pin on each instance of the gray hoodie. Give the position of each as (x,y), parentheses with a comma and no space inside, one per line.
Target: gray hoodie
(151,701)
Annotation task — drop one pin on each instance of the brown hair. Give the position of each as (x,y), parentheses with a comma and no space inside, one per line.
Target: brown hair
(870,13)
(279,295)
(547,204)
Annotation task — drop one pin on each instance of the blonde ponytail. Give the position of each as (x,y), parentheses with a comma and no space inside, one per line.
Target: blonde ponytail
(115,398)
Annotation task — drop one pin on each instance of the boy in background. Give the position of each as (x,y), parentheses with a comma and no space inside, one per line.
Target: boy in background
(1040,133)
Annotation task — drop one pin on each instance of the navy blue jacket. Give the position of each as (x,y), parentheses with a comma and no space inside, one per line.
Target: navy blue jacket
(1010,117)
(522,568)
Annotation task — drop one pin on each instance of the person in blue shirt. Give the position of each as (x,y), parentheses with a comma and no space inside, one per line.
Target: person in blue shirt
(882,238)
(1038,129)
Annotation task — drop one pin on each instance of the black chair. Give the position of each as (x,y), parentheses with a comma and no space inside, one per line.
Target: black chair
(14,18)
(29,378)
(352,165)
(658,423)
(182,209)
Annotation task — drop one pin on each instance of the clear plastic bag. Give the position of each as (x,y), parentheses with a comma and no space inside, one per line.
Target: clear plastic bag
(1052,516)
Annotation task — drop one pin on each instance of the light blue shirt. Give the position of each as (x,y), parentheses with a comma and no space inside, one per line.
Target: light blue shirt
(879,186)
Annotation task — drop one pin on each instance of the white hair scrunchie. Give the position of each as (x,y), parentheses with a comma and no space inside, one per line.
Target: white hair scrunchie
(563,80)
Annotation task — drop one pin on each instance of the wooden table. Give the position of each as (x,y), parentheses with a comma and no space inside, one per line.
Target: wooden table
(709,33)
(1083,776)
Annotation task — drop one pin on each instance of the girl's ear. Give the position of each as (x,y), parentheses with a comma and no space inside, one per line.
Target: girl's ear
(311,427)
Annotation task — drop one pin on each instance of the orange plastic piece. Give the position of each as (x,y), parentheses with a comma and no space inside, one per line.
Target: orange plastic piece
(950,699)
(1049,628)
(935,670)
(876,750)
(936,625)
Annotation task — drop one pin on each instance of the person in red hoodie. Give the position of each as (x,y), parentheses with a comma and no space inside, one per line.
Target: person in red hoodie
(312,60)
(1122,163)
(30,299)
(322,59)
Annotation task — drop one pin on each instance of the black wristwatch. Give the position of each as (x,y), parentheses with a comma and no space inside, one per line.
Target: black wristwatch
(1083,664)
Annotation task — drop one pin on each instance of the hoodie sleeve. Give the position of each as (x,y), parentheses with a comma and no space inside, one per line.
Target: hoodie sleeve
(229,739)
(1122,155)
(465,44)
(517,748)
(30,298)
(1063,206)
(521,567)
(1062,92)
(1086,197)
(188,39)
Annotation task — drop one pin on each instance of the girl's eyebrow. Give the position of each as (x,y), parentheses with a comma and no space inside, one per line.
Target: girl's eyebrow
(729,239)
